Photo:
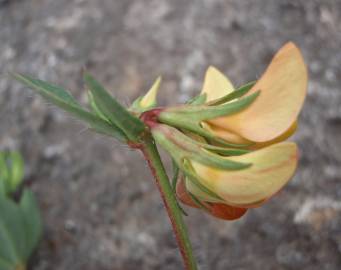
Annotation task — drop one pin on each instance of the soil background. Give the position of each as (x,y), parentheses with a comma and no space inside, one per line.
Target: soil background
(100,206)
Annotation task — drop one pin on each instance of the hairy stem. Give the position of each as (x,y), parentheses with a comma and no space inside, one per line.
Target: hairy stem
(152,156)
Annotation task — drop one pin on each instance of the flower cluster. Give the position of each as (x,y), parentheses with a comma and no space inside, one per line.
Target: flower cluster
(227,142)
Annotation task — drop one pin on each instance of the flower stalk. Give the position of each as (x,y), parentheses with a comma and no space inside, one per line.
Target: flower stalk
(152,156)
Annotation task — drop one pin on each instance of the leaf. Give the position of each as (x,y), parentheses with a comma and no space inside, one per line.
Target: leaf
(16,165)
(114,111)
(32,221)
(12,232)
(4,174)
(95,108)
(64,100)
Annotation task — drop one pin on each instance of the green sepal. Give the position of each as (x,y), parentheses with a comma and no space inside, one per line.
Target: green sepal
(225,151)
(180,145)
(241,91)
(198,100)
(61,98)
(183,150)
(204,112)
(175,174)
(198,202)
(195,127)
(131,126)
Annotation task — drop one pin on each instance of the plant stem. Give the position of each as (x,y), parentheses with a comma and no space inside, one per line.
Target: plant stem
(152,156)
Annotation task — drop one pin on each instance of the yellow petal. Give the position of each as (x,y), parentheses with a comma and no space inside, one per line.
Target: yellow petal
(216,85)
(272,168)
(280,138)
(149,99)
(283,89)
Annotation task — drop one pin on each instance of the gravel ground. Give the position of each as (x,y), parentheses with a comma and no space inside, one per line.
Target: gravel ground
(100,206)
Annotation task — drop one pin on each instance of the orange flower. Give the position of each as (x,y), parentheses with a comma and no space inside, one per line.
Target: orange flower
(272,116)
(237,190)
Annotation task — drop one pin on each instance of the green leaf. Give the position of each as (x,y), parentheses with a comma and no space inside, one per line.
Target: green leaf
(12,232)
(32,221)
(241,91)
(64,100)
(16,165)
(95,108)
(4,174)
(114,111)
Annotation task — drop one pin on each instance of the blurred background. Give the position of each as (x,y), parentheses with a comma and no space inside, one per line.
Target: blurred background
(100,206)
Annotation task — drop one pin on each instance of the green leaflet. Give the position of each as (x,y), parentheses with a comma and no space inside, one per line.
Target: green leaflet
(61,98)
(4,175)
(12,232)
(16,170)
(32,220)
(131,126)
(20,230)
(241,91)
(94,107)
(11,171)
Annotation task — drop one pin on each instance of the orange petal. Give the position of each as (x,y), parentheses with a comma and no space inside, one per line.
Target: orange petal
(272,167)
(280,138)
(226,212)
(182,193)
(216,85)
(218,210)
(283,89)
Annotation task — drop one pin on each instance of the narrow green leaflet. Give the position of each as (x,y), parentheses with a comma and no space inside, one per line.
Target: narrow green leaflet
(241,91)
(114,111)
(32,220)
(4,174)
(16,165)
(64,100)
(95,108)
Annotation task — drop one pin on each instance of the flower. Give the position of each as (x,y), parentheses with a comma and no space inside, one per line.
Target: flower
(272,116)
(226,186)
(229,144)
(272,167)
